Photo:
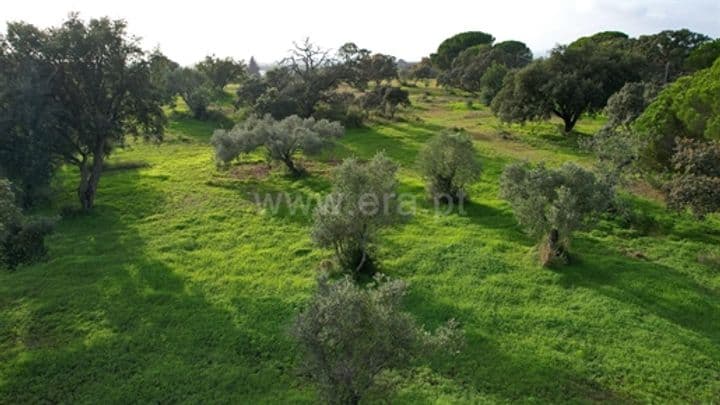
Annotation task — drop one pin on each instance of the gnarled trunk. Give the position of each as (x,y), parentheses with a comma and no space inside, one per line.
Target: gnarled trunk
(554,250)
(294,170)
(90,177)
(569,124)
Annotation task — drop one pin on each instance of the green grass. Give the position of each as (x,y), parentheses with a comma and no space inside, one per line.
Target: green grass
(177,288)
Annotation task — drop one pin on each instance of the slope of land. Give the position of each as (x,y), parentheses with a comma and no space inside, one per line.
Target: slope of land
(178,288)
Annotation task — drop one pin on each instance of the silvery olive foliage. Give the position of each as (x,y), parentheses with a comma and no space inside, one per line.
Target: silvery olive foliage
(363,200)
(554,203)
(281,139)
(348,335)
(448,163)
(625,106)
(696,182)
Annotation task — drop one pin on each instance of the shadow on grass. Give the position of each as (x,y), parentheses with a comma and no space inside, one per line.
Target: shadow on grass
(187,128)
(484,366)
(105,319)
(284,199)
(652,287)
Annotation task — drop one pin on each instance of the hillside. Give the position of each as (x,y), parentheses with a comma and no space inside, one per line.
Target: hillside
(178,287)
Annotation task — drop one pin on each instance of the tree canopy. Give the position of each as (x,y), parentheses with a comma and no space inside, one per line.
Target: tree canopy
(221,72)
(282,139)
(688,108)
(554,203)
(363,200)
(348,335)
(450,48)
(667,51)
(572,81)
(100,85)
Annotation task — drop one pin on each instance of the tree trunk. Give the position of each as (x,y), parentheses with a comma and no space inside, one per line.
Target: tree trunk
(291,166)
(569,124)
(554,251)
(90,178)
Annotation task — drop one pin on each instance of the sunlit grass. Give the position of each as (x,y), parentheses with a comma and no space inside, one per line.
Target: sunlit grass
(177,288)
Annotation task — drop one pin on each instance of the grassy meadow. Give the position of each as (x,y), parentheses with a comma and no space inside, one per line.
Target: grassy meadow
(178,288)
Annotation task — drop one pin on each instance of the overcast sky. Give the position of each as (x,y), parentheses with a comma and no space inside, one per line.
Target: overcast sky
(188,30)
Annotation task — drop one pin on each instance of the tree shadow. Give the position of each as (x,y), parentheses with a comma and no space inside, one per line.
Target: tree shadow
(487,367)
(108,319)
(290,200)
(650,286)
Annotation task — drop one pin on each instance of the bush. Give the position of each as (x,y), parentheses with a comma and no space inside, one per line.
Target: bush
(194,88)
(349,335)
(26,242)
(625,106)
(21,240)
(386,100)
(363,200)
(448,163)
(552,204)
(696,183)
(617,153)
(341,107)
(281,139)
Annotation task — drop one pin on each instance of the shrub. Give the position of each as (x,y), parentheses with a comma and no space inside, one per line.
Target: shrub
(448,163)
(26,242)
(617,153)
(21,240)
(349,335)
(341,107)
(386,100)
(696,184)
(281,139)
(552,204)
(625,106)
(363,200)
(194,88)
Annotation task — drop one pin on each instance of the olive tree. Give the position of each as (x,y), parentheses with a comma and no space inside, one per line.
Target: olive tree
(281,139)
(696,182)
(625,106)
(363,200)
(349,335)
(448,163)
(552,204)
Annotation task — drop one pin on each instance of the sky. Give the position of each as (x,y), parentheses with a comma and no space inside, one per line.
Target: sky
(186,31)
